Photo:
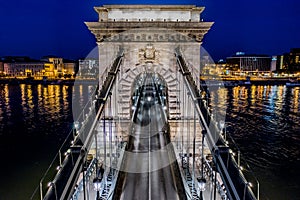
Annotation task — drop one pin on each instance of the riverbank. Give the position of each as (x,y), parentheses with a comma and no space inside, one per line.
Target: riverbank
(231,82)
(227,82)
(17,81)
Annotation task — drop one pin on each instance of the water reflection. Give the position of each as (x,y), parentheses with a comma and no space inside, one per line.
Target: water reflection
(265,122)
(34,121)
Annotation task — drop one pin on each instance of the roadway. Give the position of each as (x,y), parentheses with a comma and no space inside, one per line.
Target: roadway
(147,172)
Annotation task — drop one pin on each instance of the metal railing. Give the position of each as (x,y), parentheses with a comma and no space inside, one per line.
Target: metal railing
(89,175)
(70,153)
(237,183)
(64,151)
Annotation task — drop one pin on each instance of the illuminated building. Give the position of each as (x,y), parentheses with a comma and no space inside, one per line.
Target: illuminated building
(53,66)
(88,67)
(249,63)
(289,62)
(273,63)
(294,58)
(69,67)
(1,67)
(282,63)
(221,67)
(56,67)
(22,67)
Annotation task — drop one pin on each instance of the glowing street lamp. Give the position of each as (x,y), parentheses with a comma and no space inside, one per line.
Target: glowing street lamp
(247,184)
(76,124)
(223,126)
(75,128)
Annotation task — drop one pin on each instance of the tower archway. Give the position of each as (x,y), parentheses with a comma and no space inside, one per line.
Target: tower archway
(149,36)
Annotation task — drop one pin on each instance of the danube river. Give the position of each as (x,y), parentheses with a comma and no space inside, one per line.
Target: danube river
(34,122)
(263,120)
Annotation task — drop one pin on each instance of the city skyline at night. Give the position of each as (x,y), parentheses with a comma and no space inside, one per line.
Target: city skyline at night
(57,28)
(104,100)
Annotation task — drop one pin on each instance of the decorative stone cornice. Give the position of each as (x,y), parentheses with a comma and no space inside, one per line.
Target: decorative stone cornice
(106,8)
(117,19)
(104,30)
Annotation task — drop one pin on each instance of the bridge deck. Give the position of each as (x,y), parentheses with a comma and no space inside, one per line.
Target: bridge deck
(147,170)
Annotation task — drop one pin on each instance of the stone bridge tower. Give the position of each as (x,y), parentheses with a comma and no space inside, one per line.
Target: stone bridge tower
(149,35)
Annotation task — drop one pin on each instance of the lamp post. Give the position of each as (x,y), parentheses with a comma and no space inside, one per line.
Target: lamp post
(104,138)
(201,180)
(116,143)
(201,186)
(110,130)
(223,126)
(202,152)
(257,189)
(97,181)
(75,128)
(83,154)
(97,187)
(96,153)
(247,184)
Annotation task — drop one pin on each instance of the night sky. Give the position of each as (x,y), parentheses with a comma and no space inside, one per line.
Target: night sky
(36,28)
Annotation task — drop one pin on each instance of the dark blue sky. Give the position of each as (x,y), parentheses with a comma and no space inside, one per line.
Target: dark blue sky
(36,27)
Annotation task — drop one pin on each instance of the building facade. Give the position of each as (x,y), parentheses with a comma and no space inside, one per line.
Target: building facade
(69,68)
(149,36)
(282,63)
(273,63)
(18,66)
(24,69)
(249,63)
(56,67)
(1,68)
(88,67)
(295,60)
(289,62)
